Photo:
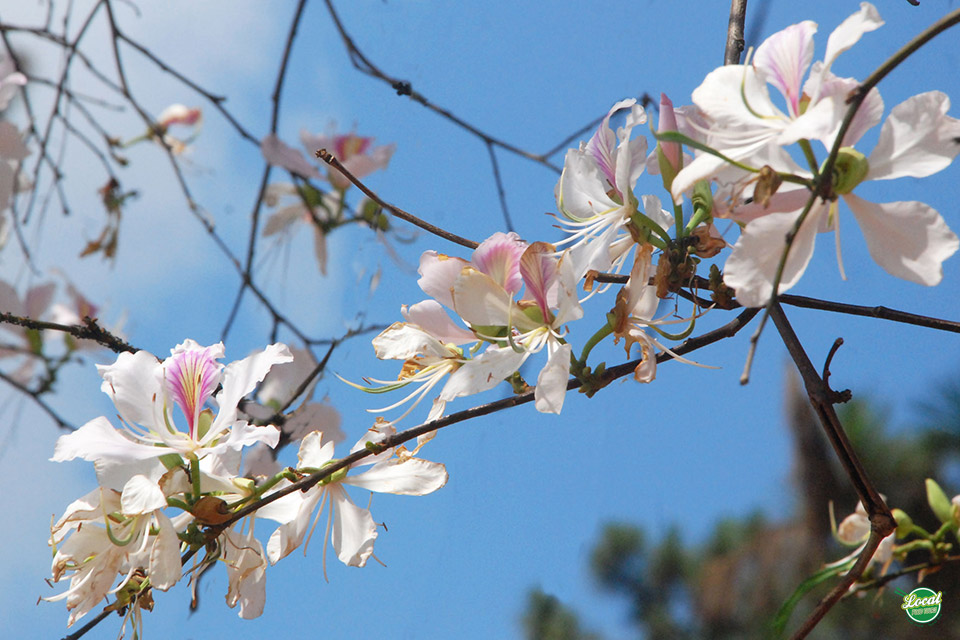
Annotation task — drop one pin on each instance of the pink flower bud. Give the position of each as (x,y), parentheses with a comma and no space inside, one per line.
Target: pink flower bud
(668,122)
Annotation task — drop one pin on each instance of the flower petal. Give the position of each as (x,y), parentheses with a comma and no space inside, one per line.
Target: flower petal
(752,265)
(354,530)
(784,58)
(410,477)
(552,381)
(909,240)
(280,154)
(438,274)
(918,139)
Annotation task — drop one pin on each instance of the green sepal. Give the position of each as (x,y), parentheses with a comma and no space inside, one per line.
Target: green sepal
(171,461)
(904,523)
(939,502)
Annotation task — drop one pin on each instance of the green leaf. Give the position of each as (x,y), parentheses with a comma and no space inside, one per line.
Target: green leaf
(783,615)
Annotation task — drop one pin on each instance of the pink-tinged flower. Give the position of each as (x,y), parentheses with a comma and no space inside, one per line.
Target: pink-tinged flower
(115,533)
(19,342)
(744,122)
(498,257)
(352,527)
(595,193)
(909,240)
(174,115)
(529,325)
(356,153)
(145,392)
(177,114)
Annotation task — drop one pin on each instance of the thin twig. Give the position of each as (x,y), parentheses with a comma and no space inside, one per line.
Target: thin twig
(403,88)
(90,330)
(61,423)
(330,159)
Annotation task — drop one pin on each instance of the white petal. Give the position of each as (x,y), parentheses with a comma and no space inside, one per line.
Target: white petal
(438,273)
(135,384)
(784,58)
(141,495)
(581,192)
(431,317)
(483,372)
(289,535)
(280,154)
(849,31)
(552,381)
(410,477)
(909,240)
(240,378)
(752,265)
(481,301)
(98,440)
(354,530)
(313,451)
(402,341)
(165,569)
(918,139)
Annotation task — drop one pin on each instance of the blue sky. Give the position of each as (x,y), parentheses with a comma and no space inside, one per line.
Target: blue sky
(528,493)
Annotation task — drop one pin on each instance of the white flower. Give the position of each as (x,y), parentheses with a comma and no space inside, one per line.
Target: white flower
(909,240)
(351,528)
(747,126)
(595,194)
(115,533)
(145,392)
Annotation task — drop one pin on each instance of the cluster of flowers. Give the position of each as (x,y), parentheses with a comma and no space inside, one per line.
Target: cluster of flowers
(514,298)
(169,482)
(510,300)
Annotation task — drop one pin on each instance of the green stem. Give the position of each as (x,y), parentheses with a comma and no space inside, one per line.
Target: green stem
(811,159)
(594,340)
(678,217)
(194,474)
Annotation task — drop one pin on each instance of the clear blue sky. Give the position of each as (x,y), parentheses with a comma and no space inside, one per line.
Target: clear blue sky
(528,493)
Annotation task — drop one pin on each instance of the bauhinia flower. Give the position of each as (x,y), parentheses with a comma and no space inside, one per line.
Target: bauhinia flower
(352,527)
(115,533)
(744,122)
(524,327)
(595,194)
(145,393)
(909,240)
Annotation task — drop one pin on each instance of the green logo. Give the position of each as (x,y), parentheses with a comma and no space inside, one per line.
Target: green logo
(922,604)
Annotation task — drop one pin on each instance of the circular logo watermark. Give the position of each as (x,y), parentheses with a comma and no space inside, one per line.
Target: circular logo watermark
(922,605)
